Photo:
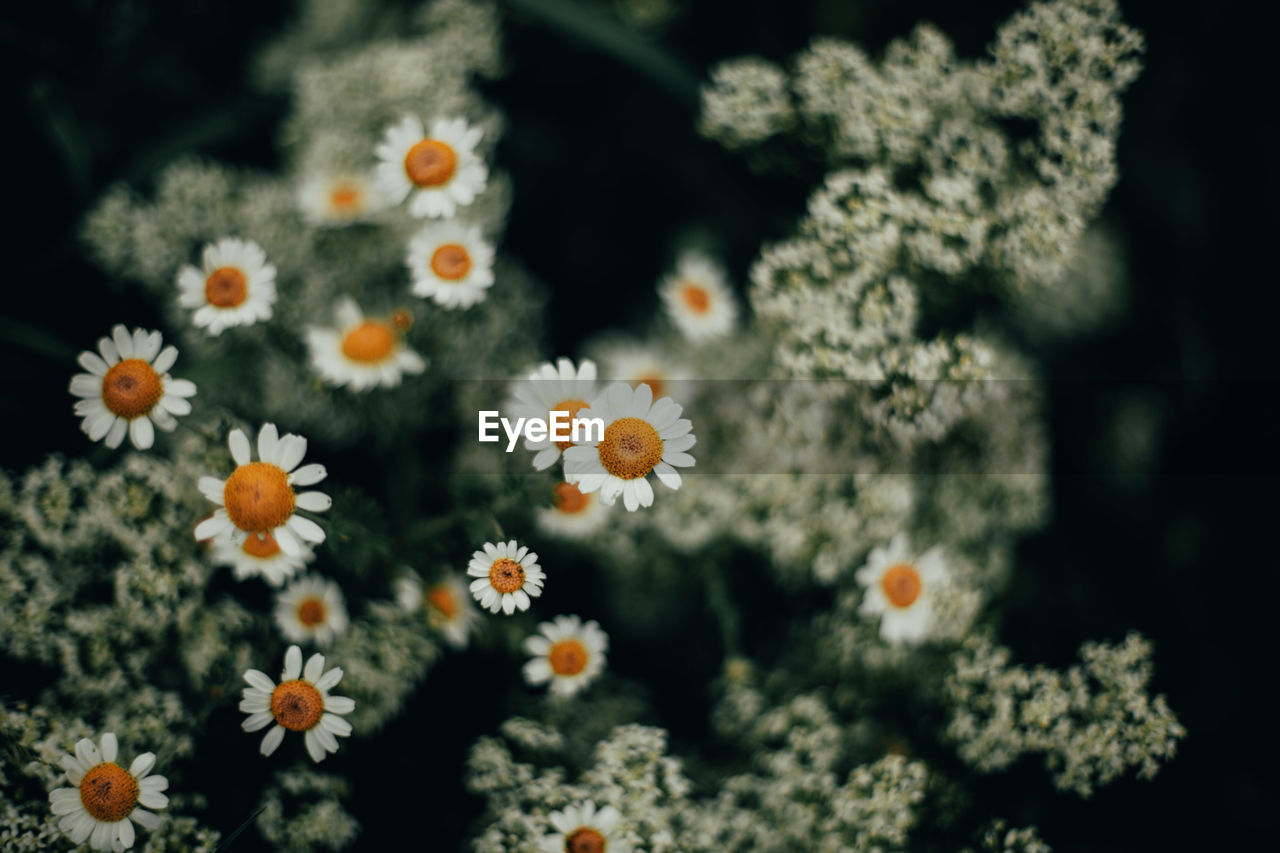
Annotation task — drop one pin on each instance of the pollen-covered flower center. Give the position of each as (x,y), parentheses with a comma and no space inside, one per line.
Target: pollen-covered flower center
(430,163)
(131,388)
(311,612)
(345,197)
(263,545)
(451,262)
(695,298)
(506,575)
(630,449)
(226,287)
(370,341)
(567,657)
(442,600)
(901,585)
(258,497)
(584,840)
(108,792)
(572,407)
(569,499)
(297,705)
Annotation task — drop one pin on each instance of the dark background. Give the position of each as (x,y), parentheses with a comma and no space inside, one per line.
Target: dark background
(1175,542)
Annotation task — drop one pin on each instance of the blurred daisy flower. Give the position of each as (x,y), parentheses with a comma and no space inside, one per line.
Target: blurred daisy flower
(260,555)
(582,829)
(646,364)
(300,703)
(258,498)
(235,287)
(311,609)
(640,436)
(451,264)
(567,653)
(900,588)
(698,299)
(106,799)
(128,389)
(558,387)
(440,169)
(339,199)
(508,575)
(447,604)
(574,514)
(362,352)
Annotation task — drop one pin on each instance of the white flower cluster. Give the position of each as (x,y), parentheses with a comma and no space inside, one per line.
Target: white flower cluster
(1093,722)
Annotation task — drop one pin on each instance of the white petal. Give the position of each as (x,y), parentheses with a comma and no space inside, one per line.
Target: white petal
(124,831)
(123,341)
(145,819)
(88,753)
(86,385)
(165,360)
(259,680)
(290,452)
(271,741)
(115,435)
(329,680)
(267,439)
(306,528)
(669,476)
(292,664)
(211,527)
(239,445)
(314,501)
(142,433)
(93,363)
(180,388)
(314,668)
(314,749)
(110,746)
(308,475)
(339,704)
(212,488)
(287,541)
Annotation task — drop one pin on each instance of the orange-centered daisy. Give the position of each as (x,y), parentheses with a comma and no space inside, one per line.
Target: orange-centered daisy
(451,262)
(300,703)
(362,352)
(695,298)
(260,554)
(698,299)
(369,342)
(582,829)
(311,610)
(507,576)
(446,604)
(258,498)
(558,387)
(900,587)
(566,652)
(127,390)
(640,436)
(107,799)
(234,286)
(437,170)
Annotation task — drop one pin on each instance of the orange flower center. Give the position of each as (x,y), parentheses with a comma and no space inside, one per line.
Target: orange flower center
(567,657)
(442,599)
(695,298)
(131,388)
(572,407)
(226,287)
(260,545)
(258,497)
(569,499)
(430,163)
(311,612)
(297,705)
(901,585)
(584,840)
(654,382)
(506,575)
(369,342)
(451,262)
(345,198)
(108,792)
(630,449)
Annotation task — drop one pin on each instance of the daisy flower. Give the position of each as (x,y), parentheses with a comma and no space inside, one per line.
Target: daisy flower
(698,299)
(558,387)
(640,436)
(566,652)
(643,364)
(508,576)
(235,287)
(311,609)
(128,389)
(338,199)
(582,829)
(900,588)
(574,514)
(440,169)
(106,799)
(258,497)
(362,352)
(451,264)
(260,554)
(449,608)
(300,703)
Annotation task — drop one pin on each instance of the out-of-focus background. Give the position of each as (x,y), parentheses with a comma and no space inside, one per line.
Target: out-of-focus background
(1162,424)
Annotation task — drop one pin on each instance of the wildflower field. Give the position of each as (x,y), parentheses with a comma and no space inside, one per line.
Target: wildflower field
(636,426)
